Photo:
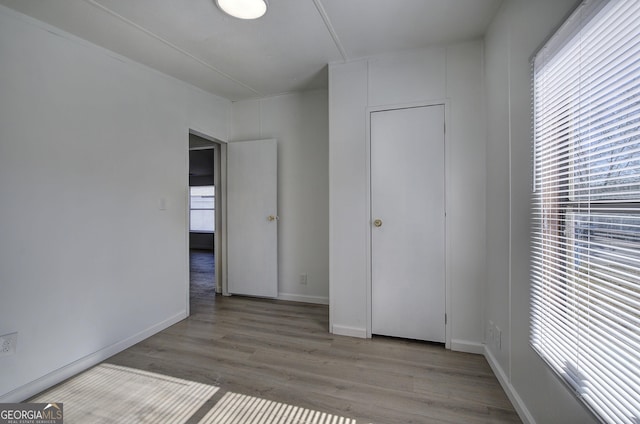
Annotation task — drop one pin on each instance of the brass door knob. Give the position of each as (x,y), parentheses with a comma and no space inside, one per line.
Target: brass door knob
(272,218)
(377,222)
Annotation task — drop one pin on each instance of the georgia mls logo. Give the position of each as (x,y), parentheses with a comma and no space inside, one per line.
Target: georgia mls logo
(31,413)
(56,409)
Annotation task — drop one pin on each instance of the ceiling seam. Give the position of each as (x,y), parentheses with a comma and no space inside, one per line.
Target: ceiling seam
(332,31)
(173,46)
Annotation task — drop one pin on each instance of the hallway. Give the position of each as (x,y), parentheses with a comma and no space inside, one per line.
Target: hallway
(202,284)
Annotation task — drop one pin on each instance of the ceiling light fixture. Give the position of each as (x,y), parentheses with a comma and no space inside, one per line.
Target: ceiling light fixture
(243,9)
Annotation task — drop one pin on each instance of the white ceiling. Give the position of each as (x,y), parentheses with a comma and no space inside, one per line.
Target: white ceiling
(286,50)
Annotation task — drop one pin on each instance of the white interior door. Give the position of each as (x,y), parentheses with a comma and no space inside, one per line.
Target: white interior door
(252,224)
(408,241)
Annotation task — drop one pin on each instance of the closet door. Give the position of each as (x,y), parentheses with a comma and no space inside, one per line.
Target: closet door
(408,223)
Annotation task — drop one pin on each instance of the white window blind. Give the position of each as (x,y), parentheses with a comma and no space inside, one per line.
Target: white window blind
(585,307)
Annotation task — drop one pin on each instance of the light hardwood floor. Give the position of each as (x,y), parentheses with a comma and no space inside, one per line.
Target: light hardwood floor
(282,351)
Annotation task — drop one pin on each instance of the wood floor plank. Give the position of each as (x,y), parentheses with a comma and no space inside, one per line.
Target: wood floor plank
(282,351)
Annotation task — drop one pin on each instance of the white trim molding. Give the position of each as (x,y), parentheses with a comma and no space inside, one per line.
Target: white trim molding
(36,386)
(512,394)
(343,330)
(467,346)
(319,300)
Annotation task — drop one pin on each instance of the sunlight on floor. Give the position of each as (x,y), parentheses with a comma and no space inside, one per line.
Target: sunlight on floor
(235,408)
(114,394)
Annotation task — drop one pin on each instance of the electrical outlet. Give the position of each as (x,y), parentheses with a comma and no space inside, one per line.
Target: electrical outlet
(8,344)
(303,279)
(498,338)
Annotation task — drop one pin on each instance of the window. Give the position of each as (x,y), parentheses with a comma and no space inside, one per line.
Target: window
(585,306)
(202,209)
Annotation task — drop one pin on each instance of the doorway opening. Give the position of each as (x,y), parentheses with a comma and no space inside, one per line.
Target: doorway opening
(204,222)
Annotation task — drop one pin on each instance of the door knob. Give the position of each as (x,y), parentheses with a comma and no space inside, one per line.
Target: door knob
(273,218)
(377,222)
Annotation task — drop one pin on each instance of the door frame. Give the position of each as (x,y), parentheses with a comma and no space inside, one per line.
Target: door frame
(220,236)
(368,220)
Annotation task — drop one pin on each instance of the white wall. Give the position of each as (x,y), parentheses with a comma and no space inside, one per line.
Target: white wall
(452,73)
(89,145)
(299,122)
(518,29)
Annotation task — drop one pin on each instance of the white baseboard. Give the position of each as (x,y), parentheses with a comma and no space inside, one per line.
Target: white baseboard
(511,392)
(76,367)
(320,300)
(342,330)
(467,346)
